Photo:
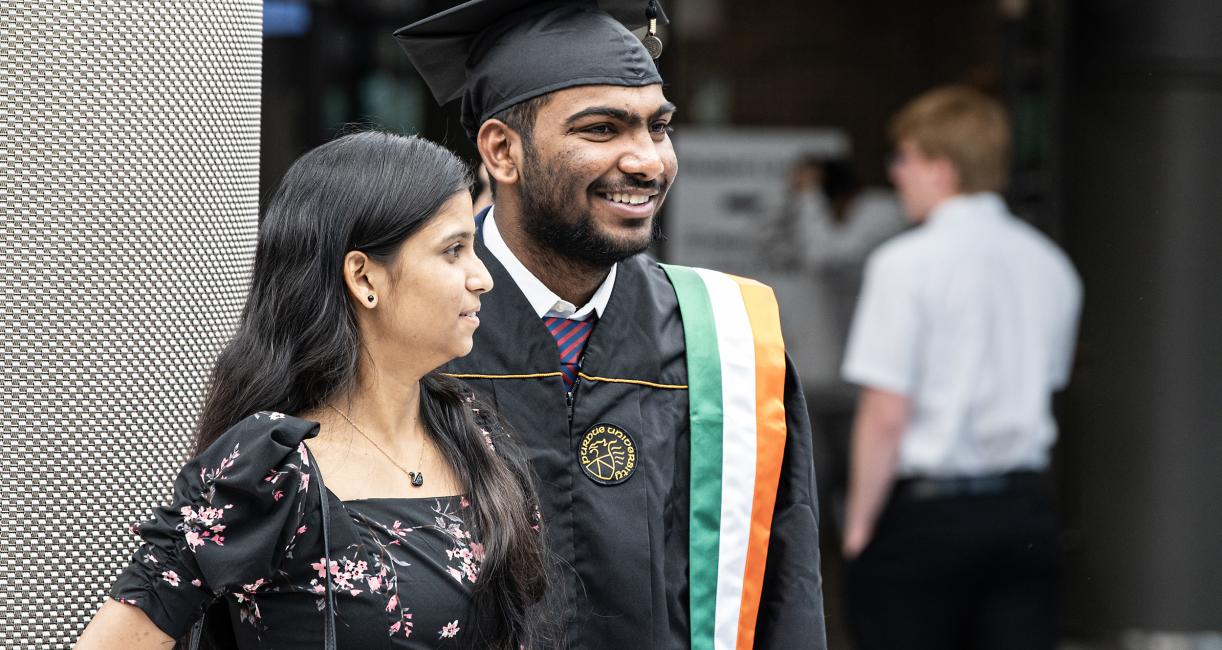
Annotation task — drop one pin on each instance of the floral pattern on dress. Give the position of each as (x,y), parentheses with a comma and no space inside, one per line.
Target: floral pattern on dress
(464,555)
(242,505)
(467,554)
(203,519)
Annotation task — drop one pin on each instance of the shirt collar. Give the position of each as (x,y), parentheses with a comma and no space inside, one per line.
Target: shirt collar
(968,208)
(543,300)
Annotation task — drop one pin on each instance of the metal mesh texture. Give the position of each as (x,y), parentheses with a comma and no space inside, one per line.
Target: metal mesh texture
(128,216)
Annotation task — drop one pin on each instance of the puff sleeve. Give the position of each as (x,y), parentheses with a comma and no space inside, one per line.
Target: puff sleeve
(236,512)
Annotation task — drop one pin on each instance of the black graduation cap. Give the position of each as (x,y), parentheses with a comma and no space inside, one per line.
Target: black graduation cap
(498,53)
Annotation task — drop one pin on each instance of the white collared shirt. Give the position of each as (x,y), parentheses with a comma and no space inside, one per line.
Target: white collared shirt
(543,300)
(973,316)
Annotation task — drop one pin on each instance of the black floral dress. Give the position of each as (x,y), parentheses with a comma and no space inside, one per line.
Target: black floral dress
(245,525)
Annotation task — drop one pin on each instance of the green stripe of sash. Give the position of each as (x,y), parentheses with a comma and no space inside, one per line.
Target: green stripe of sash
(704,404)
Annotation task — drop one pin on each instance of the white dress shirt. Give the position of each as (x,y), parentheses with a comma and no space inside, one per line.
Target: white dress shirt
(545,302)
(973,316)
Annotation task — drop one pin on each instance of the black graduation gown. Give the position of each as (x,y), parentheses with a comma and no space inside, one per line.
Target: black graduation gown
(625,547)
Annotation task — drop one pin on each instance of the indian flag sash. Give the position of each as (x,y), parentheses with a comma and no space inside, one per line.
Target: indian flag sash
(736,387)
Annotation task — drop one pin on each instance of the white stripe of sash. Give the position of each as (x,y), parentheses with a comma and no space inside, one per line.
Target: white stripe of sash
(736,346)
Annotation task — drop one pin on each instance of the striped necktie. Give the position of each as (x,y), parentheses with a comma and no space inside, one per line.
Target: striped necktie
(571,337)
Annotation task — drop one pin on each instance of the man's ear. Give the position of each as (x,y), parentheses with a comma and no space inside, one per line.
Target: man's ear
(948,175)
(501,149)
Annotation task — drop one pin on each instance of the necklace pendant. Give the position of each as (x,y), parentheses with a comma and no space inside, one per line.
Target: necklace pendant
(417,478)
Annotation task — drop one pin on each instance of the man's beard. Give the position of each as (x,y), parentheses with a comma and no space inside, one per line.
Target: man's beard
(570,231)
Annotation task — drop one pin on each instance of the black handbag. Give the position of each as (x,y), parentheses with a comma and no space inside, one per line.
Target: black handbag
(221,635)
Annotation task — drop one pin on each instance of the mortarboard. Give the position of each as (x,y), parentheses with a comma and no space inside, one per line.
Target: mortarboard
(498,53)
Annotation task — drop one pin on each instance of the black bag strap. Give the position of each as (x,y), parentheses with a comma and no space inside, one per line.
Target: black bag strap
(197,630)
(329,623)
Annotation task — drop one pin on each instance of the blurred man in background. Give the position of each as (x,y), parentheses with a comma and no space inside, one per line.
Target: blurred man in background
(965,327)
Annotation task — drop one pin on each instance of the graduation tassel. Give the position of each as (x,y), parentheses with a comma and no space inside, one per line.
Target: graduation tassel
(652,43)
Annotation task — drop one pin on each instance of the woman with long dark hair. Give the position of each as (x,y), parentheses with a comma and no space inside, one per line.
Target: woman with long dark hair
(426,532)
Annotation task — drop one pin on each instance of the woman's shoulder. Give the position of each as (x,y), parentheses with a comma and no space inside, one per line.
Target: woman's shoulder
(239,509)
(266,435)
(275,427)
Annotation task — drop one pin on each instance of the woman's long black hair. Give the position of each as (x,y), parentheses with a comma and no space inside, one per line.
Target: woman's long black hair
(297,346)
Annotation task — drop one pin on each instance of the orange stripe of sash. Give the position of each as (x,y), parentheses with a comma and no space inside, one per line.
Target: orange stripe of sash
(764,315)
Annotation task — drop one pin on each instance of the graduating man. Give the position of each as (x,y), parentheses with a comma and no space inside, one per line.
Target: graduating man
(656,403)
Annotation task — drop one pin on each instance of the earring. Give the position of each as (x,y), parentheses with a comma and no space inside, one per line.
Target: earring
(370,298)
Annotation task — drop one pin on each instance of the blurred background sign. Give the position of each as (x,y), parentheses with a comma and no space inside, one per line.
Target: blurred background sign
(728,212)
(733,182)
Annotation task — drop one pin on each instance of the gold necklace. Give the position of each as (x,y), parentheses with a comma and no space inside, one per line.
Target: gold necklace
(417,477)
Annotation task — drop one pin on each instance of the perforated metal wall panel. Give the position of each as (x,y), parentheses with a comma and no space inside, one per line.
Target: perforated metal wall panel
(129,134)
